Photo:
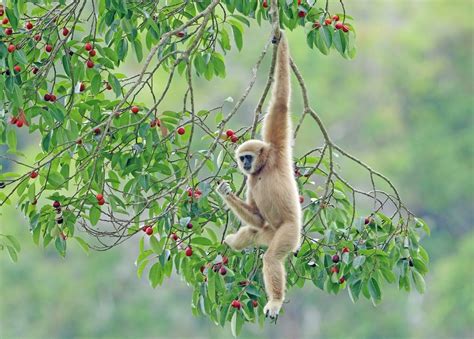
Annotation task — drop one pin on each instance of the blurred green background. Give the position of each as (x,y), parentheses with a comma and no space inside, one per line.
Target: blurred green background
(404,105)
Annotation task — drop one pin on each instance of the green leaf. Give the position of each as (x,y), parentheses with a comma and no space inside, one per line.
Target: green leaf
(358,261)
(84,245)
(419,281)
(154,274)
(233,325)
(156,246)
(326,34)
(374,290)
(201,241)
(94,215)
(12,253)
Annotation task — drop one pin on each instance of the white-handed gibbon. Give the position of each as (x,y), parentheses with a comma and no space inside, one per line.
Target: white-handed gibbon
(271,212)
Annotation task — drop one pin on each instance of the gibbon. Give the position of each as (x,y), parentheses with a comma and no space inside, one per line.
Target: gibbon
(271,212)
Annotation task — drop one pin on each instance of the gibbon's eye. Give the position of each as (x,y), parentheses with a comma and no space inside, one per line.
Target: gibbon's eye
(242,158)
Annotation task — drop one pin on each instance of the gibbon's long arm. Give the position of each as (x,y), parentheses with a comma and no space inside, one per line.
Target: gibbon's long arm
(277,123)
(244,211)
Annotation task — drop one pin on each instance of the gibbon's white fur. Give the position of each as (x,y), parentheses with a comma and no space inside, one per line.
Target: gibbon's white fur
(271,212)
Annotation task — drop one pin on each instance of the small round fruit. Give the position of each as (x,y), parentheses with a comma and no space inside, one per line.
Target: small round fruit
(90,63)
(82,87)
(99,196)
(225,260)
(316,25)
(229,132)
(52,98)
(35,70)
(101,202)
(181,131)
(235,304)
(79,142)
(92,53)
(108,86)
(174,236)
(341,280)
(5,21)
(189,225)
(335,17)
(244,283)
(88,46)
(301,199)
(65,31)
(265,4)
(135,109)
(345,250)
(301,13)
(335,258)
(17,68)
(254,303)
(180,34)
(13,120)
(189,251)
(37,37)
(34,175)
(328,21)
(149,230)
(9,31)
(19,124)
(334,269)
(48,48)
(223,271)
(367,221)
(29,25)
(56,204)
(234,138)
(339,25)
(11,48)
(345,28)
(47,97)
(97,131)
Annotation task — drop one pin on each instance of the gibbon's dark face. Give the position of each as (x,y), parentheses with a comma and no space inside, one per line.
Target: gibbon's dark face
(247,161)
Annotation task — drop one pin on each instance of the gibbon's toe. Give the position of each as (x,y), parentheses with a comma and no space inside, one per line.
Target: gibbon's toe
(272,308)
(228,240)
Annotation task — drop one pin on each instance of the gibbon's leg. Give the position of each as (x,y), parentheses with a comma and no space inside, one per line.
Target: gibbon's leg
(284,241)
(241,209)
(244,237)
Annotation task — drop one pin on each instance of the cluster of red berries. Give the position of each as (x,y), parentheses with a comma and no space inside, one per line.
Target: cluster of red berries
(92,53)
(57,207)
(50,97)
(335,259)
(220,266)
(188,250)
(100,199)
(155,122)
(337,24)
(194,193)
(147,229)
(231,135)
(237,304)
(19,122)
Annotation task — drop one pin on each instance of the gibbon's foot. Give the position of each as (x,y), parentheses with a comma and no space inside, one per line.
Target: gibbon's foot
(224,189)
(229,240)
(272,308)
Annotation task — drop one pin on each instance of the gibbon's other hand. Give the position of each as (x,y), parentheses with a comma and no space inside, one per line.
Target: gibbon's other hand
(224,189)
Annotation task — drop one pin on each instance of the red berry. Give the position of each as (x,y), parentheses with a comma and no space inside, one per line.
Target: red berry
(29,25)
(8,31)
(48,48)
(189,225)
(135,109)
(345,250)
(13,120)
(37,37)
(5,21)
(79,142)
(11,48)
(265,4)
(202,268)
(17,68)
(181,130)
(339,25)
(316,25)
(301,13)
(334,269)
(180,34)
(341,281)
(88,46)
(97,131)
(56,204)
(174,236)
(65,31)
(335,17)
(345,28)
(189,251)
(254,303)
(244,283)
(99,196)
(19,124)
(101,202)
(223,271)
(33,174)
(299,2)
(234,138)
(335,258)
(52,98)
(149,230)
(47,97)
(328,21)
(82,87)
(229,132)
(108,86)
(35,70)
(367,220)
(92,53)
(301,199)
(225,260)
(90,63)
(2,11)
(235,304)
